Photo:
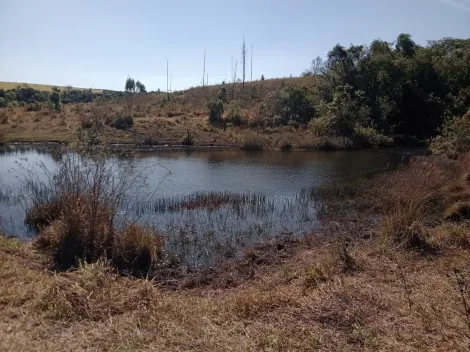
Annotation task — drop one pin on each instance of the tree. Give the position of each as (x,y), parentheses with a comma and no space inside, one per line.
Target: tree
(10,96)
(223,93)
(317,66)
(216,109)
(405,45)
(55,99)
(243,64)
(204,69)
(140,87)
(287,105)
(130,90)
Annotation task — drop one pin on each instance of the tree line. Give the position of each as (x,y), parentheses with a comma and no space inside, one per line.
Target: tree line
(25,95)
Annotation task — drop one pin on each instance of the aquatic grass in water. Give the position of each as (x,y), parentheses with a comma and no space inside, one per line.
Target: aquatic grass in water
(203,228)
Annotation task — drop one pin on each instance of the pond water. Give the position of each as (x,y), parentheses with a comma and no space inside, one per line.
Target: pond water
(207,203)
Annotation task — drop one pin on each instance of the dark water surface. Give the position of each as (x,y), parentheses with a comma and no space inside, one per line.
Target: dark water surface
(262,194)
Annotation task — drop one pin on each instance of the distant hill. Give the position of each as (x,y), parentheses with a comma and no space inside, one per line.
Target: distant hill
(42,87)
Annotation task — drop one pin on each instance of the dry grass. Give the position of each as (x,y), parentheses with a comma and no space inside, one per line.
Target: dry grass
(93,308)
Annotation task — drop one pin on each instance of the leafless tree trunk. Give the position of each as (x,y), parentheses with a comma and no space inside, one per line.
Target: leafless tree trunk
(207,79)
(234,78)
(251,64)
(171,80)
(204,69)
(243,64)
(167,91)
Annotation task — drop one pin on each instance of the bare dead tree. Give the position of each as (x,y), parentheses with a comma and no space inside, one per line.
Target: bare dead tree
(317,66)
(234,78)
(171,80)
(243,64)
(207,79)
(251,64)
(167,91)
(204,69)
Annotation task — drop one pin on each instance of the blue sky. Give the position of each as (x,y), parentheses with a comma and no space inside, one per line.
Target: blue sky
(98,43)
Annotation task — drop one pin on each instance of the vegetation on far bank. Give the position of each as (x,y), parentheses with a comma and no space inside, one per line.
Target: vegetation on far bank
(359,96)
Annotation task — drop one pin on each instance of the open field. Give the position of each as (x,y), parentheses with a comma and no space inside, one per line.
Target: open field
(42,87)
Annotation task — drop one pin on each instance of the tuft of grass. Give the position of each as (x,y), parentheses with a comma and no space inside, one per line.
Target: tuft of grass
(93,292)
(188,139)
(253,146)
(458,211)
(286,146)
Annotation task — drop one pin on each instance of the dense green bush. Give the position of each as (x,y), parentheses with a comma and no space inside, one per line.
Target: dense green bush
(216,109)
(288,104)
(455,135)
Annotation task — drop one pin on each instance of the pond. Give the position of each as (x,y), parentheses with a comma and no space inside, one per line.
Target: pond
(207,204)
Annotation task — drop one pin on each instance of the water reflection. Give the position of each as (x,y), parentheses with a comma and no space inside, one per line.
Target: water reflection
(274,185)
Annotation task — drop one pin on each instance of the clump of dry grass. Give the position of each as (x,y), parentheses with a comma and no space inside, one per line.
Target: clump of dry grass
(75,217)
(94,292)
(408,196)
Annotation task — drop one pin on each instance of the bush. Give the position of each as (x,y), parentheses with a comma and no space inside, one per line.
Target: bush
(3,102)
(253,146)
(369,137)
(216,109)
(188,139)
(223,94)
(287,105)
(123,122)
(455,135)
(34,107)
(286,146)
(235,116)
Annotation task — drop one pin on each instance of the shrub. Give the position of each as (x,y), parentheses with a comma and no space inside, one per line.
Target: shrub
(289,104)
(286,146)
(223,94)
(455,135)
(369,137)
(34,107)
(216,109)
(123,122)
(234,115)
(253,145)
(150,141)
(188,139)
(3,102)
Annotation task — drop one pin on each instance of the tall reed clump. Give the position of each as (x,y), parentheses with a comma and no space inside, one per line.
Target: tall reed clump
(75,216)
(407,197)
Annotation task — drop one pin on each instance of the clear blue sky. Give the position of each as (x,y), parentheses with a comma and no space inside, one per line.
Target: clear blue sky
(98,43)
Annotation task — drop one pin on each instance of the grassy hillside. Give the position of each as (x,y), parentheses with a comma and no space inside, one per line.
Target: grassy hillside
(164,119)
(42,87)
